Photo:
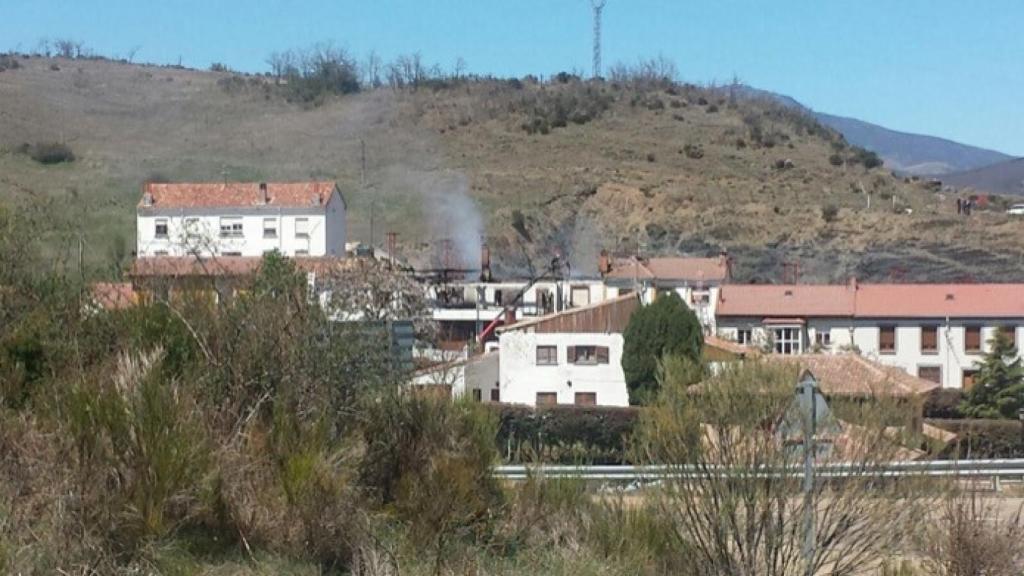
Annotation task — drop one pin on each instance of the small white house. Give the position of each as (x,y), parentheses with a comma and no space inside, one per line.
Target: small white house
(570,357)
(240,219)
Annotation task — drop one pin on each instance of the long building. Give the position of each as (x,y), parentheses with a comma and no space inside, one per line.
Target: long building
(938,332)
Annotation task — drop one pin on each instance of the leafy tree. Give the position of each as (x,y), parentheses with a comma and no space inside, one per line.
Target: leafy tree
(666,327)
(999,385)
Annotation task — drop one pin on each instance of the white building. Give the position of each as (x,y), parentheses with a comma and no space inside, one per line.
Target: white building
(240,219)
(570,357)
(938,332)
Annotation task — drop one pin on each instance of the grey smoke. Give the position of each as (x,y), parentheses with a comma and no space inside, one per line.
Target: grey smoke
(453,214)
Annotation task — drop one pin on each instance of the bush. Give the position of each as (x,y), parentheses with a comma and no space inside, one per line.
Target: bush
(829,213)
(835,160)
(983,438)
(666,327)
(50,152)
(565,434)
(8,62)
(944,403)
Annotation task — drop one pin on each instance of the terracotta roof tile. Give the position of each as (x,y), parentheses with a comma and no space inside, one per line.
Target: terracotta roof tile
(853,375)
(224,266)
(114,295)
(873,300)
(799,300)
(235,194)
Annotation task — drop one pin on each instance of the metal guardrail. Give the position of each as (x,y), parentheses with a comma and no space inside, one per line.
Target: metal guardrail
(995,469)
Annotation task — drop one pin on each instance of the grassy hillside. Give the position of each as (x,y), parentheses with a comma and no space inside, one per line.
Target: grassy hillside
(674,169)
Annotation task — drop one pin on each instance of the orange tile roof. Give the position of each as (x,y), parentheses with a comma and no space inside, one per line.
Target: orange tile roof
(734,348)
(873,300)
(235,194)
(677,269)
(114,295)
(940,300)
(799,300)
(853,375)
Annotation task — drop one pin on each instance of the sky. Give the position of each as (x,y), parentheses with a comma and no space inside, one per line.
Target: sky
(940,67)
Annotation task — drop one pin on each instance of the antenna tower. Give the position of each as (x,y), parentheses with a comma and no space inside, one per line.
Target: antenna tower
(598,6)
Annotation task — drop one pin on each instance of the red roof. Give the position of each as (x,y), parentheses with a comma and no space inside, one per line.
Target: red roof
(873,300)
(235,194)
(801,300)
(940,300)
(677,269)
(853,375)
(113,295)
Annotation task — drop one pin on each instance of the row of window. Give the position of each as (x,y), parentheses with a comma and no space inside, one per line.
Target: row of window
(934,374)
(231,227)
(580,355)
(789,340)
(543,398)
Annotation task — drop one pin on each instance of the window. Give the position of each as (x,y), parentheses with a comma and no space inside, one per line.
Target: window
(547,356)
(588,355)
(235,253)
(495,395)
(476,395)
(231,227)
(787,340)
(498,297)
(968,379)
(887,340)
(972,339)
(930,373)
(929,339)
(545,301)
(161,228)
(160,253)
(586,399)
(302,252)
(579,295)
(547,398)
(270,227)
(302,227)
(745,336)
(823,338)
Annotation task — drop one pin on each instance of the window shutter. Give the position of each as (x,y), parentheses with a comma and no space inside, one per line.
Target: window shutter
(602,354)
(571,352)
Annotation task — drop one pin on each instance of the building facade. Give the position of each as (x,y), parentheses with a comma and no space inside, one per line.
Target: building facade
(241,219)
(571,357)
(938,332)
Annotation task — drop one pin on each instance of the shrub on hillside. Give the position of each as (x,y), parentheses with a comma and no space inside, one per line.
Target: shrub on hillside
(49,152)
(8,62)
(829,212)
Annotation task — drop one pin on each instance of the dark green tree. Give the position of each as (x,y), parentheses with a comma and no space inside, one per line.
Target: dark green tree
(999,386)
(666,327)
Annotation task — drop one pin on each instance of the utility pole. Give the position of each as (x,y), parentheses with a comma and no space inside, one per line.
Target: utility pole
(598,7)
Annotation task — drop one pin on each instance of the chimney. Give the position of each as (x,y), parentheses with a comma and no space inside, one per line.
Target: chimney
(485,263)
(264,197)
(147,199)
(725,261)
(853,283)
(604,263)
(314,200)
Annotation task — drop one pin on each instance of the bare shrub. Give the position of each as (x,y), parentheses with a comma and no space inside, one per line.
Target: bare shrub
(971,538)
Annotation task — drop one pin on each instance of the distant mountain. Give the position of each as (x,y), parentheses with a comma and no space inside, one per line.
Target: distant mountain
(1002,178)
(912,153)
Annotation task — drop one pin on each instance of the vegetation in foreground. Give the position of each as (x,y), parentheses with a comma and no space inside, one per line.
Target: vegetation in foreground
(253,436)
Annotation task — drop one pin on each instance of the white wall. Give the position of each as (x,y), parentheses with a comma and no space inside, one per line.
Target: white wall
(863,334)
(327,231)
(521,378)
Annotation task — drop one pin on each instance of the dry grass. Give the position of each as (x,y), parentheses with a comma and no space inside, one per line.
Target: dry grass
(127,123)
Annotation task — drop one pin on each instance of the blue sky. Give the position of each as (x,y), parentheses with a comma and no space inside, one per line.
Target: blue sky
(948,68)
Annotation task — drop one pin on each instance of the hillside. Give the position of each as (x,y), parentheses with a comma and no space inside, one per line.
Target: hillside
(912,153)
(673,169)
(1002,178)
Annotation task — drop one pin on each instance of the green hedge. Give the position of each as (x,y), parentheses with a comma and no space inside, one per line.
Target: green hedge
(982,438)
(944,403)
(565,434)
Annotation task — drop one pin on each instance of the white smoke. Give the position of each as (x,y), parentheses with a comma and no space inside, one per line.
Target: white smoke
(452,214)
